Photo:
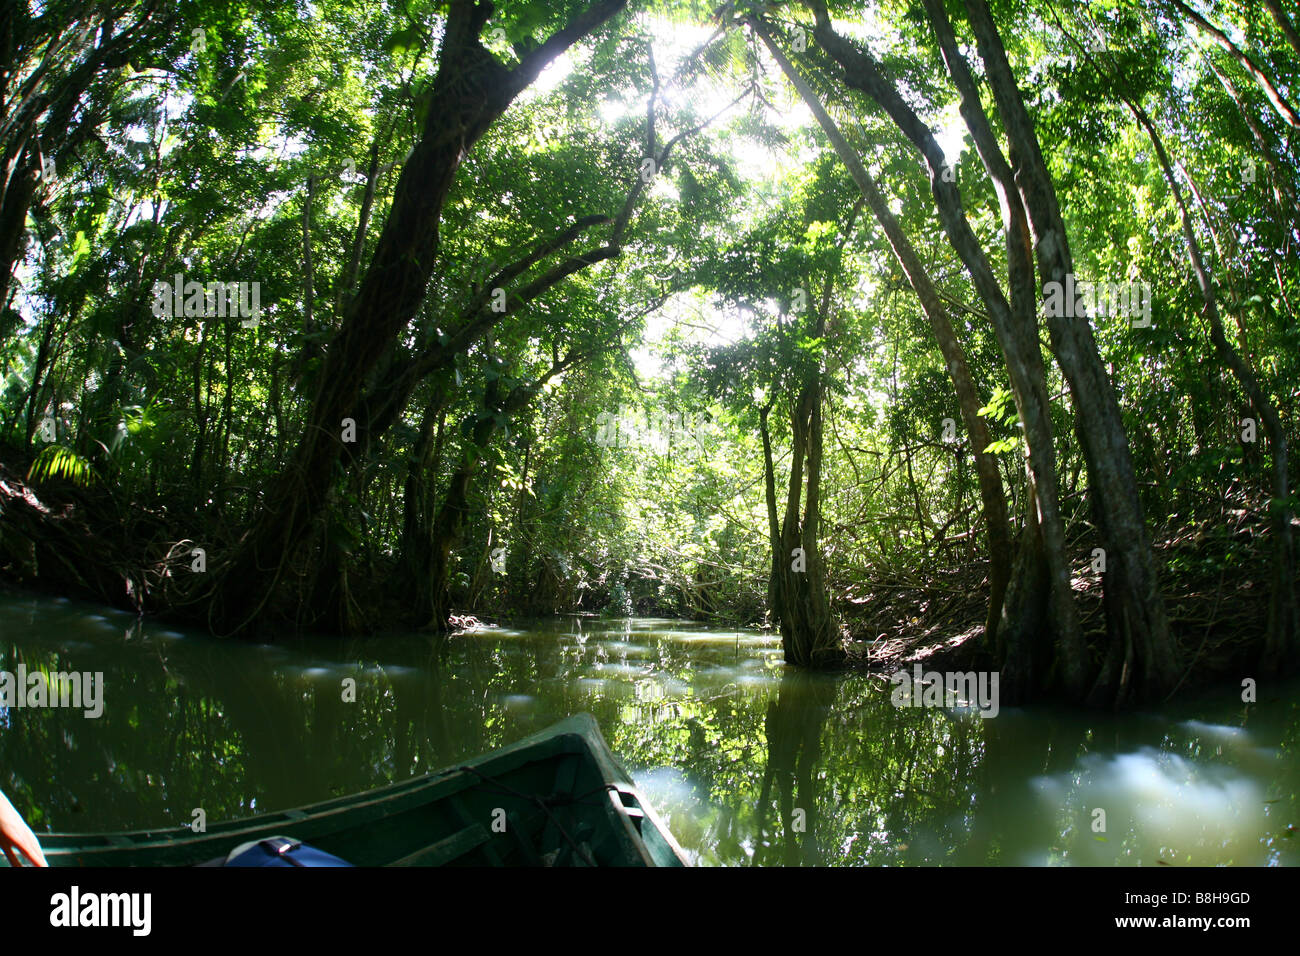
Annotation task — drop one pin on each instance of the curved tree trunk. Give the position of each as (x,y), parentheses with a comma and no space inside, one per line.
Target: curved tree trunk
(1142,662)
(1043,544)
(997,527)
(469,93)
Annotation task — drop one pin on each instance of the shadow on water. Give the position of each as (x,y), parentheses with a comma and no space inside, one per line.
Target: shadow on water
(750,763)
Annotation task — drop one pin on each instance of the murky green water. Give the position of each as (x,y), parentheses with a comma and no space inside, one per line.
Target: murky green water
(749,764)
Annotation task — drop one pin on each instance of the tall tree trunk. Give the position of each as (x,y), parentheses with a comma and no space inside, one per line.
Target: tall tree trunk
(797,584)
(417,497)
(308,269)
(1022,643)
(997,526)
(359,238)
(197,487)
(1142,662)
(469,93)
(1025,652)
(43,359)
(17,199)
(1282,645)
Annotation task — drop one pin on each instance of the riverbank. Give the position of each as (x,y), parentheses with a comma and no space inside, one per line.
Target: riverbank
(1214,577)
(83,541)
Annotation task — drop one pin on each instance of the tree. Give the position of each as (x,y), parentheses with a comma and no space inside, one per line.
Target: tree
(470,91)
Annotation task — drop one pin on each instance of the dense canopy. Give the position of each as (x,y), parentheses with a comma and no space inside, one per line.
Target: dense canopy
(969,322)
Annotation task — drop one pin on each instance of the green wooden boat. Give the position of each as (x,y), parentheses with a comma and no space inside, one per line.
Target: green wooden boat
(557,798)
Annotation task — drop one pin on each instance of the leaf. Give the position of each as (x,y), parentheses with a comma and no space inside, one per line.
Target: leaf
(403,41)
(55,461)
(1003,445)
(80,248)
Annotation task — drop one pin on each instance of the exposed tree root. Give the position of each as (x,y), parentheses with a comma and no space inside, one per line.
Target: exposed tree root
(1215,578)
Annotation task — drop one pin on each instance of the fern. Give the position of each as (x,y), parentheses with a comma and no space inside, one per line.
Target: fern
(55,461)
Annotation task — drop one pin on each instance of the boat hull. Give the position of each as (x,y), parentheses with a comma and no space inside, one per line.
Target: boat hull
(557,798)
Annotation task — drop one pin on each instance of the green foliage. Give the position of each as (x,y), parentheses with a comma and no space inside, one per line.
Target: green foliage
(57,462)
(197,162)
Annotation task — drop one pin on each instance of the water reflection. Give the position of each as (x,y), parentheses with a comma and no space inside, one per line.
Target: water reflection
(796,717)
(751,763)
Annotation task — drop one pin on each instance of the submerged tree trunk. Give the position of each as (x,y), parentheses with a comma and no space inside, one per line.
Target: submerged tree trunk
(797,583)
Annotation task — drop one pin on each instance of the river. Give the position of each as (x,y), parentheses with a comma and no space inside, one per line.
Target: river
(748,762)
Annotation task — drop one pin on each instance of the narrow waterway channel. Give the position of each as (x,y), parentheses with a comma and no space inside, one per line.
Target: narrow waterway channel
(749,762)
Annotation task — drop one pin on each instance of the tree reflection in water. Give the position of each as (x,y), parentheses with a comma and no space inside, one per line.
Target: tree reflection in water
(750,762)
